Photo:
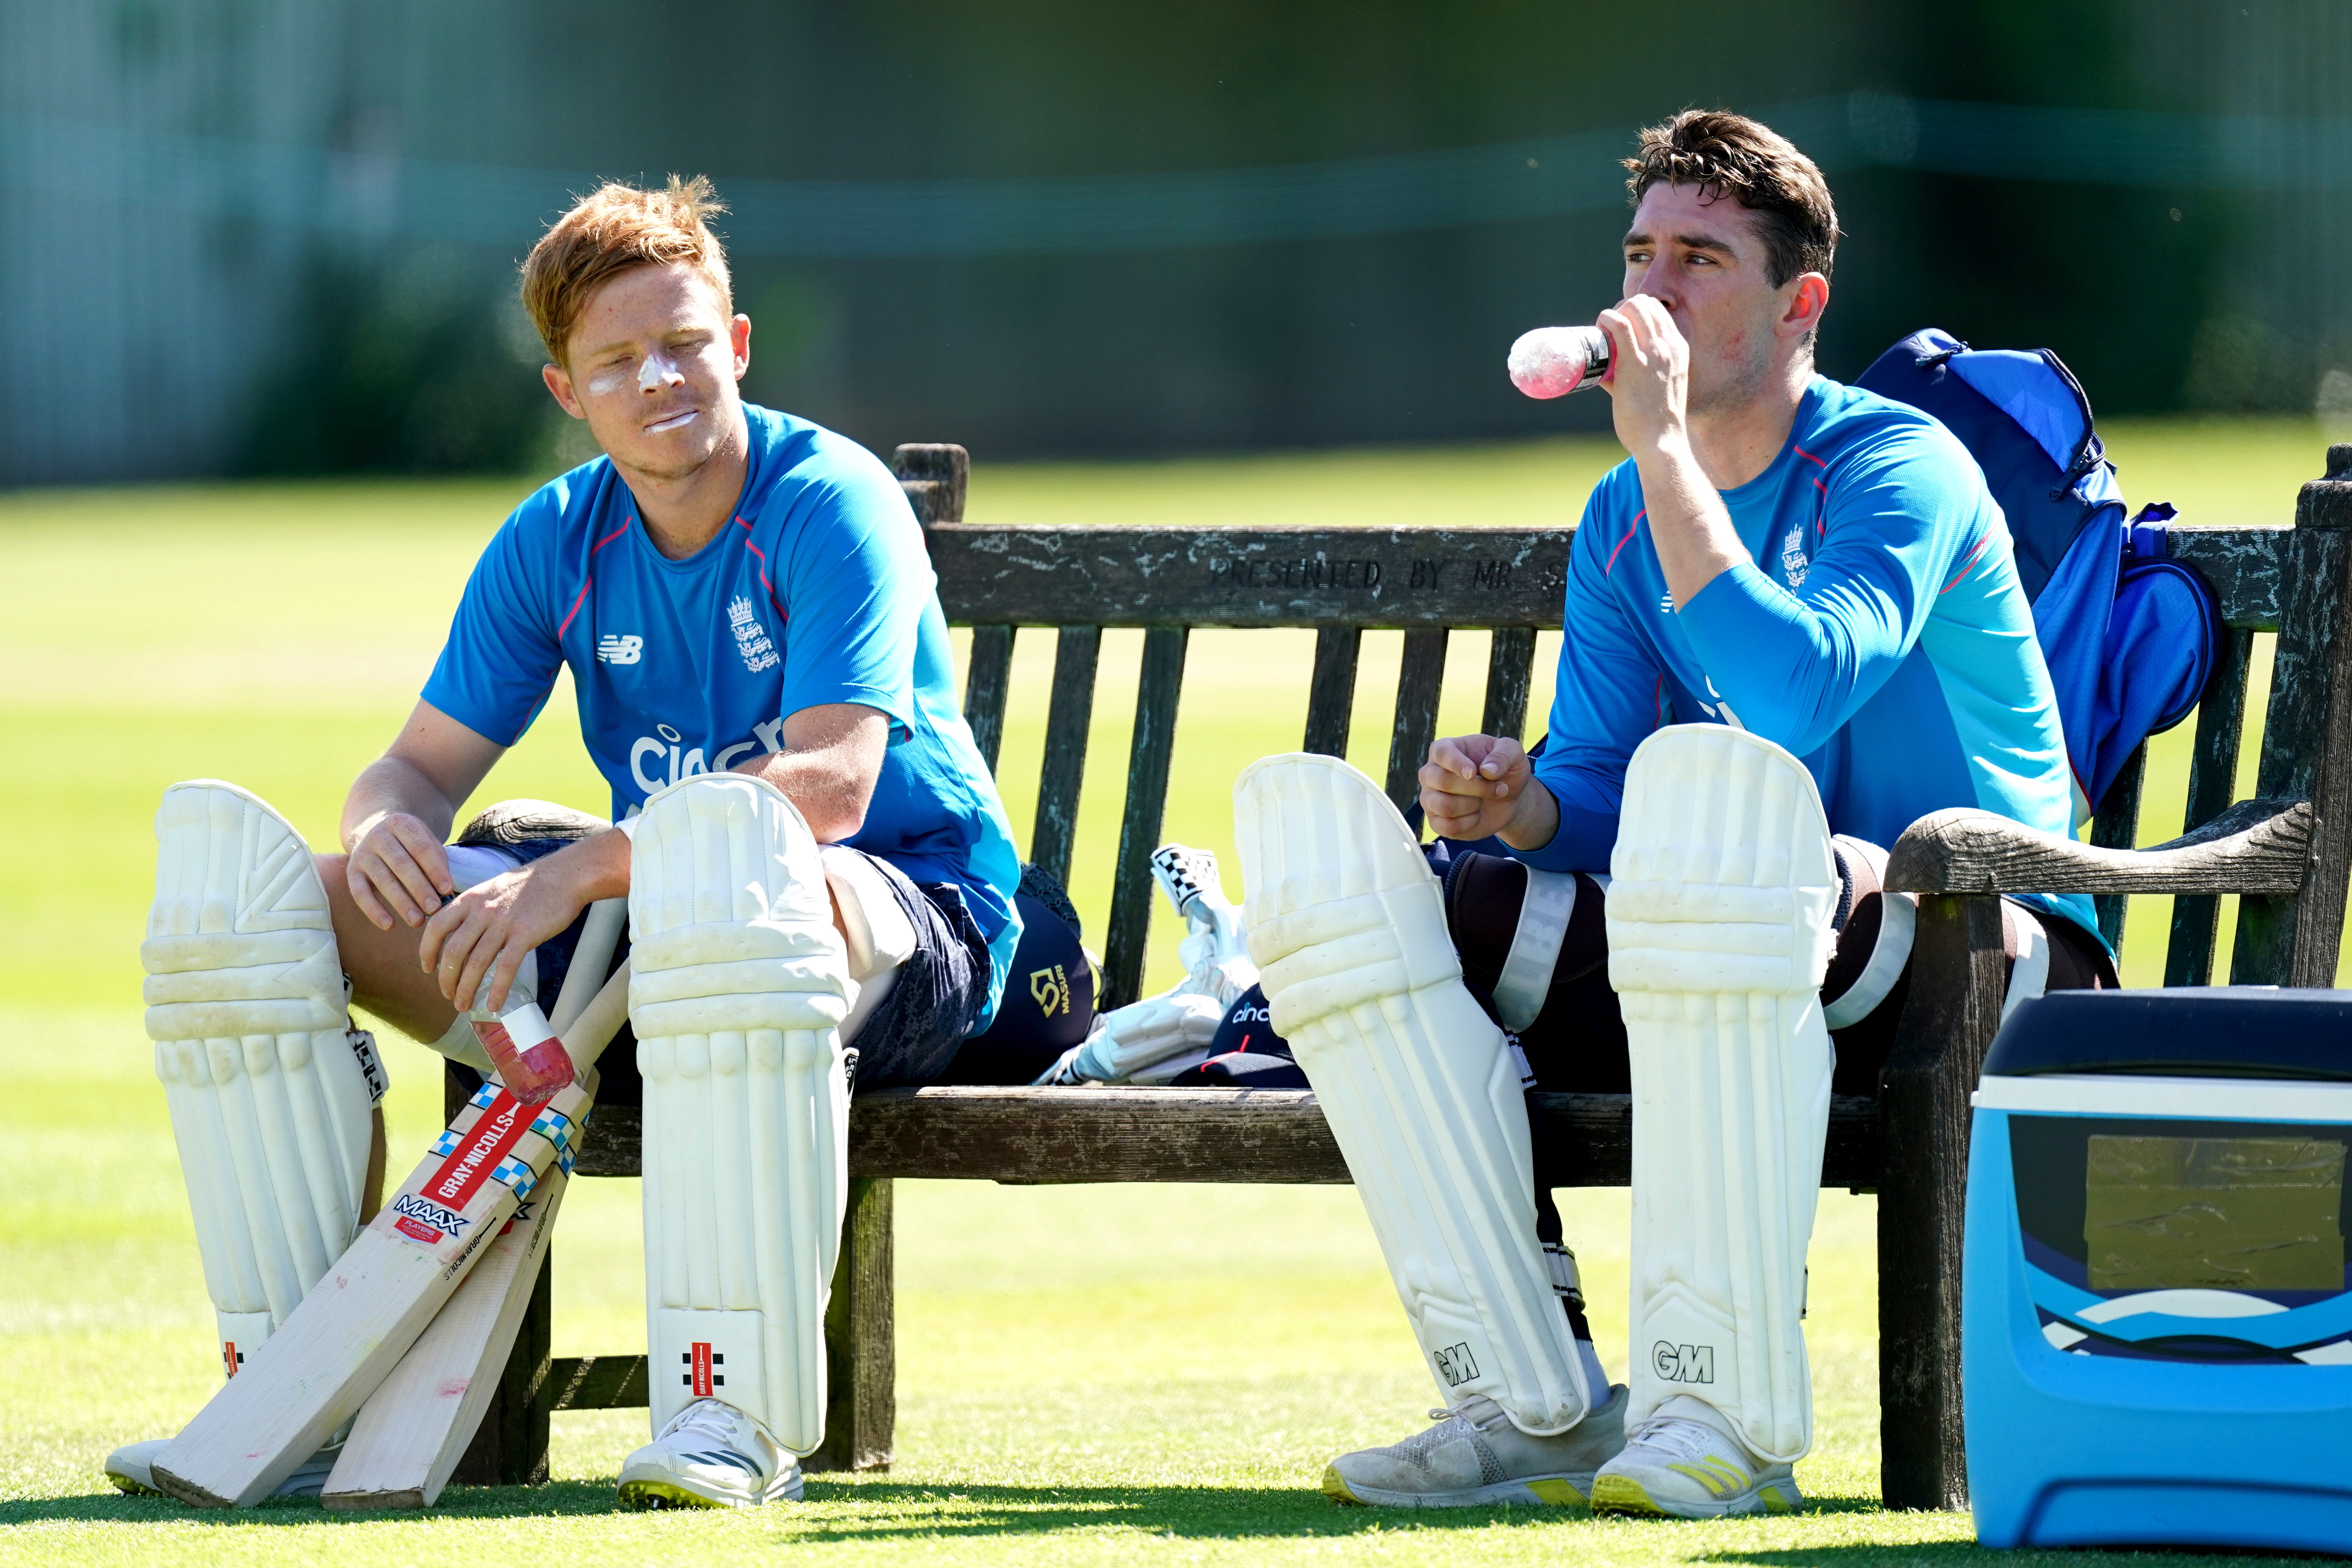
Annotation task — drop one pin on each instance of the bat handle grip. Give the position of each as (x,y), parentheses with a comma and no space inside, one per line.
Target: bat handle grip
(599,1022)
(599,935)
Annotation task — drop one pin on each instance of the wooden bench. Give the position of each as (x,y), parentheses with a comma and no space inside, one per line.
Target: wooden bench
(2285,854)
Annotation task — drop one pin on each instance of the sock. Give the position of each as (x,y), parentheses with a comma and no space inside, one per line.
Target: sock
(1596,1377)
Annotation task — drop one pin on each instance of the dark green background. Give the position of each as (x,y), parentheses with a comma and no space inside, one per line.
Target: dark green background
(340,352)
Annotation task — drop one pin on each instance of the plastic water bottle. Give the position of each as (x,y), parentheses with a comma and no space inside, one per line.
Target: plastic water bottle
(1552,362)
(522,1045)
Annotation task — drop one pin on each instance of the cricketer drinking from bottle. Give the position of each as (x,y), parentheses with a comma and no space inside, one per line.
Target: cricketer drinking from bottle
(821,881)
(1793,625)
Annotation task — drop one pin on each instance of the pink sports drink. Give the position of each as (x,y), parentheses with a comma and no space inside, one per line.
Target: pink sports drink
(1552,362)
(531,1062)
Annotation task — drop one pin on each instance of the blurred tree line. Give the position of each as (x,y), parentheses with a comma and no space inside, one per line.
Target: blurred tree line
(369,350)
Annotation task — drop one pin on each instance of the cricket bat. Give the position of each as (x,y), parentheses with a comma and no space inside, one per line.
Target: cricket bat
(357,1322)
(415,1426)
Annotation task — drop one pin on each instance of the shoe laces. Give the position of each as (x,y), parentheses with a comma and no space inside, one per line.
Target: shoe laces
(706,1419)
(1441,1414)
(1681,1437)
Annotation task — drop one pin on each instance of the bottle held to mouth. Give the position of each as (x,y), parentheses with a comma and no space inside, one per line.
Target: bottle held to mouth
(1552,362)
(531,1062)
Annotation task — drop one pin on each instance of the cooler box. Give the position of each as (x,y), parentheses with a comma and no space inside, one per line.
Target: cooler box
(2156,1336)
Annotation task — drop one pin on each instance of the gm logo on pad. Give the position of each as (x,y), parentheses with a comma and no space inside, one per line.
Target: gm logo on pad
(615,648)
(1682,1363)
(1456,1364)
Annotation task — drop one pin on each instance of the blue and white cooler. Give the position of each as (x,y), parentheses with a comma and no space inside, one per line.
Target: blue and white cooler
(2156,1330)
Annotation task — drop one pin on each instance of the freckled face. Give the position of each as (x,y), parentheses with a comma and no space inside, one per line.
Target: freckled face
(652,366)
(1703,262)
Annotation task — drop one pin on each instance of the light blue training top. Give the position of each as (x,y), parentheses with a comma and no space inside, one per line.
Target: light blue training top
(819,590)
(1880,634)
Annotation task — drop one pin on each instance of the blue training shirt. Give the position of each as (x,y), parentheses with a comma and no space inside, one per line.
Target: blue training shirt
(1880,634)
(819,590)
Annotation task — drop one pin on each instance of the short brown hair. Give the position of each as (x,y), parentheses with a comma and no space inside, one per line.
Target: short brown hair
(1727,154)
(616,228)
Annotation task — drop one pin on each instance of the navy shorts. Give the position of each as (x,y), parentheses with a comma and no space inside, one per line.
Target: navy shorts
(910,1040)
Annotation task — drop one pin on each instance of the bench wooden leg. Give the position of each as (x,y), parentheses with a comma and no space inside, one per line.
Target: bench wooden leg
(509,1447)
(860,1339)
(1956,984)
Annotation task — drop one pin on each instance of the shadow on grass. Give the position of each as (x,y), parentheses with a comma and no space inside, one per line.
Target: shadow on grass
(1872,1555)
(878,1510)
(110,1507)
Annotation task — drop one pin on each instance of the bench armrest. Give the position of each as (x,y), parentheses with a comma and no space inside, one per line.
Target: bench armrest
(2256,847)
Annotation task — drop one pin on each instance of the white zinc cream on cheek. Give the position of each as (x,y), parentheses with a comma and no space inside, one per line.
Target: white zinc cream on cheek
(652,370)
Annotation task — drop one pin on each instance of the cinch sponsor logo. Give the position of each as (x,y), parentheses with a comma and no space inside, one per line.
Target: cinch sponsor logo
(647,754)
(1261,1014)
(486,1143)
(613,647)
(1682,1363)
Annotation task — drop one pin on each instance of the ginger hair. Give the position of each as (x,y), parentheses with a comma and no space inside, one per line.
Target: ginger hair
(613,229)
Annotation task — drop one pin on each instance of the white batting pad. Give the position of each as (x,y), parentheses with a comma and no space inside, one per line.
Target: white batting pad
(1348,927)
(1724,888)
(269,1087)
(739,988)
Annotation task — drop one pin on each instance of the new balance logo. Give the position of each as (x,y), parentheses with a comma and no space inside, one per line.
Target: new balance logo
(1682,1363)
(1456,1365)
(614,648)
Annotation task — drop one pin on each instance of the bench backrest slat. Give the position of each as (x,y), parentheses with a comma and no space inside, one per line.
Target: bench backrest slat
(2212,788)
(986,685)
(1147,761)
(1510,669)
(1331,690)
(1069,715)
(2116,826)
(1421,678)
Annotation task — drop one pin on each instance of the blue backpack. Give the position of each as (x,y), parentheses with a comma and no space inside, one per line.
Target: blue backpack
(2129,636)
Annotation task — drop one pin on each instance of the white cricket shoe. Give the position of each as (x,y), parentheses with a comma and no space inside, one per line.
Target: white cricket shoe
(710,1455)
(131,1469)
(1475,1456)
(1687,1461)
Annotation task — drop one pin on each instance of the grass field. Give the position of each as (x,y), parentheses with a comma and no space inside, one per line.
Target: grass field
(1092,1374)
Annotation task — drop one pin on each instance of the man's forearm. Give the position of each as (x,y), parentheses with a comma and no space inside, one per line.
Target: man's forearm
(390,786)
(827,792)
(1688,522)
(594,867)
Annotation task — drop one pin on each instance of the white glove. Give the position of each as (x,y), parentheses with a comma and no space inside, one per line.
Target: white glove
(1183,1018)
(1137,1035)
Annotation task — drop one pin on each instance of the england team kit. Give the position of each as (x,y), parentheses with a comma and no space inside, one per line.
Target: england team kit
(818,590)
(1879,633)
